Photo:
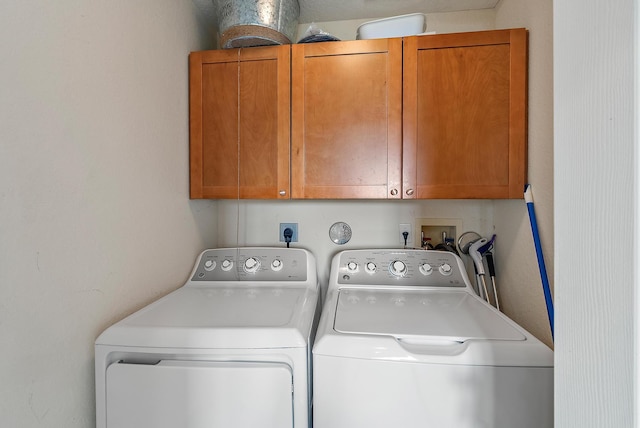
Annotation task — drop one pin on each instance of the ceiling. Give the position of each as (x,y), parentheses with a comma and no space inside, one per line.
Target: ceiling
(340,10)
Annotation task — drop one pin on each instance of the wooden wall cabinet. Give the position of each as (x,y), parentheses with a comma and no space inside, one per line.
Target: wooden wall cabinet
(240,123)
(465,115)
(346,120)
(428,117)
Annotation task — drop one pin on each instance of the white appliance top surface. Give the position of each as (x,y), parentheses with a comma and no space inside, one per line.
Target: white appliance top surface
(215,307)
(402,313)
(230,303)
(416,306)
(242,316)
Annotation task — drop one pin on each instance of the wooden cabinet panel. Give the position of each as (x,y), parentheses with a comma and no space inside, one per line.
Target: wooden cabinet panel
(427,117)
(240,116)
(464,132)
(347,119)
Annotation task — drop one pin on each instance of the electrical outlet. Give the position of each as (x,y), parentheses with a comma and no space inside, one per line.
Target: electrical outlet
(406,227)
(293,227)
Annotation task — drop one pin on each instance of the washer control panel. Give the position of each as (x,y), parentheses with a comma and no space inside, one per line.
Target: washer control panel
(401,267)
(252,264)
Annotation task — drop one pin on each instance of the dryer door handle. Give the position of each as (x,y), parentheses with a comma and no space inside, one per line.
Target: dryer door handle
(432,346)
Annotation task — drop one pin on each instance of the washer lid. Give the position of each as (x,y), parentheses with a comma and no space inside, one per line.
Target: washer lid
(449,315)
(234,316)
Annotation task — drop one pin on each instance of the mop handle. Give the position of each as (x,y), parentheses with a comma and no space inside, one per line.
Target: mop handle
(528,197)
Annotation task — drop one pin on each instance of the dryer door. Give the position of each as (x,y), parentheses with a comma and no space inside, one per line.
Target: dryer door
(199,394)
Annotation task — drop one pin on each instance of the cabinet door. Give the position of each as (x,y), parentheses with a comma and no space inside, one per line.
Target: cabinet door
(347,119)
(464,124)
(239,108)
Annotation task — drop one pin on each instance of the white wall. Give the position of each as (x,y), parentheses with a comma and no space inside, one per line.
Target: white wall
(596,201)
(450,22)
(374,223)
(523,298)
(95,219)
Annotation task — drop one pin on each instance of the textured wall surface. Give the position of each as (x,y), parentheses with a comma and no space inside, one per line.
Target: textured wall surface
(595,78)
(519,274)
(95,219)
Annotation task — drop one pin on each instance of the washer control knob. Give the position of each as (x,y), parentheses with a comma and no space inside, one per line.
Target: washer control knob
(370,267)
(445,269)
(209,265)
(398,268)
(251,265)
(426,269)
(352,267)
(227,265)
(276,265)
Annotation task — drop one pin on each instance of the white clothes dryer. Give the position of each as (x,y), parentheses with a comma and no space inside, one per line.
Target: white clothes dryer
(229,349)
(404,341)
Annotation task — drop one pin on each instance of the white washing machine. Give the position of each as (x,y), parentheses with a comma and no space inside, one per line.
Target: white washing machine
(229,349)
(404,341)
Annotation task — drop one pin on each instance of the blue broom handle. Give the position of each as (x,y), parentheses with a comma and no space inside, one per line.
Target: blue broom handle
(528,196)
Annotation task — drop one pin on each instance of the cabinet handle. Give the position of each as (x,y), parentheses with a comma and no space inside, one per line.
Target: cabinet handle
(409,192)
(283,192)
(394,192)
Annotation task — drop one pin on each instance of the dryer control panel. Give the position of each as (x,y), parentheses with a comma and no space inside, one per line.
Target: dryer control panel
(252,264)
(401,267)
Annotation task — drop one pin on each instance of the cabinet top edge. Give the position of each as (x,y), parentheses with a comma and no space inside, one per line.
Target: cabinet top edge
(368,44)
